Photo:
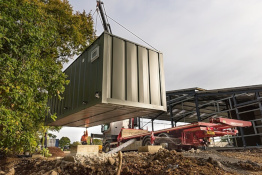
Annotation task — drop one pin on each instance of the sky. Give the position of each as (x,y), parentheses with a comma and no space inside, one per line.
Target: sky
(206,43)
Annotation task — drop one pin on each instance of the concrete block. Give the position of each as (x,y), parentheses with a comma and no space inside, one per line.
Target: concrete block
(37,156)
(67,152)
(149,148)
(87,149)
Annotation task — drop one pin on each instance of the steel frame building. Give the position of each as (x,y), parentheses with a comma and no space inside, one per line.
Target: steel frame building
(197,104)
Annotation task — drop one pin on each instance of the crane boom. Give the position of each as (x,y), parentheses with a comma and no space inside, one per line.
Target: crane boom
(106,26)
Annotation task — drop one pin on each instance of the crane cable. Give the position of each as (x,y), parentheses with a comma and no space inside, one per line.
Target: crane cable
(126,29)
(94,12)
(132,33)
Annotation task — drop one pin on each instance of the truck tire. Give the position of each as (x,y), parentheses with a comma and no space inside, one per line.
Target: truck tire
(146,141)
(164,145)
(106,148)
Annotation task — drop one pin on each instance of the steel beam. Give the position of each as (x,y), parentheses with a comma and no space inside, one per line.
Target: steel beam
(188,92)
(259,103)
(157,115)
(184,115)
(178,99)
(197,108)
(232,92)
(171,113)
(238,117)
(248,103)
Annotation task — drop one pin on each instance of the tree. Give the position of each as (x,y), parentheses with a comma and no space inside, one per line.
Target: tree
(36,37)
(50,135)
(75,143)
(97,141)
(45,129)
(64,141)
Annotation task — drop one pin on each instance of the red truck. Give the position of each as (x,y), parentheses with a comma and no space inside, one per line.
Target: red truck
(182,137)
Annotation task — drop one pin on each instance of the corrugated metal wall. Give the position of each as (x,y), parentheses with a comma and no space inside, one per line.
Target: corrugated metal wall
(136,72)
(118,77)
(124,73)
(85,80)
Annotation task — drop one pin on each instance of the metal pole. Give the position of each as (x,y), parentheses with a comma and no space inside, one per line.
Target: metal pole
(139,127)
(238,117)
(197,108)
(152,125)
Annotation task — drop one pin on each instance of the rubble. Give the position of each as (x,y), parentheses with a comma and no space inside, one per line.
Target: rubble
(245,154)
(111,161)
(162,162)
(69,158)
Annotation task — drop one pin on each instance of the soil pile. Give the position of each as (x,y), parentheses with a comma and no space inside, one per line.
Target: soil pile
(162,162)
(254,155)
(244,161)
(168,162)
(56,152)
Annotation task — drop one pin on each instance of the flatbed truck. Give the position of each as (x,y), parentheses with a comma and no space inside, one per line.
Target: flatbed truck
(123,136)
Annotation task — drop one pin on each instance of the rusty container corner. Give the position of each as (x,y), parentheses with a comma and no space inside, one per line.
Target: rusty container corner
(113,79)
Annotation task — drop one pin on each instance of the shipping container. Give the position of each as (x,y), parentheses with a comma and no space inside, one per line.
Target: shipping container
(113,79)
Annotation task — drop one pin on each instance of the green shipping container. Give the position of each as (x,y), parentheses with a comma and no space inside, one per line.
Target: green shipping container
(113,79)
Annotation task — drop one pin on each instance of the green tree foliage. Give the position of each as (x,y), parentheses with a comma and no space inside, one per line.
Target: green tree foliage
(75,144)
(36,38)
(45,129)
(64,141)
(50,135)
(97,141)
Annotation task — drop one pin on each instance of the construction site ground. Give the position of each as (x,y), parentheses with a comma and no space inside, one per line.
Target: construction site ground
(245,161)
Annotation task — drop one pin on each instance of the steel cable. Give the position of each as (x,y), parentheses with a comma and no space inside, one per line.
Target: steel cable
(132,33)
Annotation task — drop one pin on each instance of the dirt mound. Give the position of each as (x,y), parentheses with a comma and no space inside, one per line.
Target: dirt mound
(241,161)
(246,150)
(162,162)
(244,154)
(168,162)
(249,165)
(56,152)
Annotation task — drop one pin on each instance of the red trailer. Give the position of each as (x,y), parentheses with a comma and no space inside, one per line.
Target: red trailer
(181,137)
